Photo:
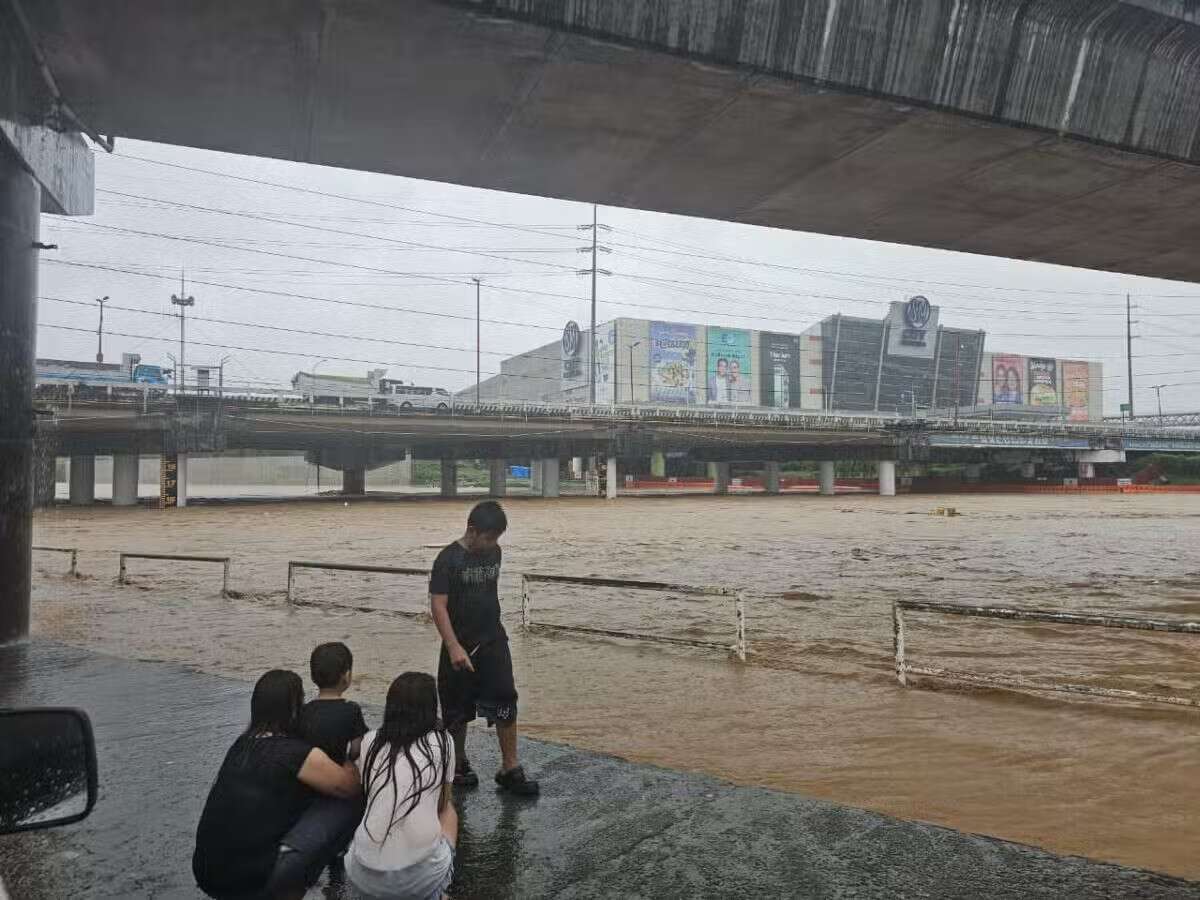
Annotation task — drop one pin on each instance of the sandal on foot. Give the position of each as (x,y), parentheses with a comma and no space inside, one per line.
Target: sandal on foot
(515,782)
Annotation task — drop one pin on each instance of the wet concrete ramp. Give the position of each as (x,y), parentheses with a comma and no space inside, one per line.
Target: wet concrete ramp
(603,827)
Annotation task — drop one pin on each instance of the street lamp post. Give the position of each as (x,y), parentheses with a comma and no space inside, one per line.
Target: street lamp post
(632,347)
(478,372)
(100,331)
(183,301)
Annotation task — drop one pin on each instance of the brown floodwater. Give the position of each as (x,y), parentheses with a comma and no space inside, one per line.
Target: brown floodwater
(816,709)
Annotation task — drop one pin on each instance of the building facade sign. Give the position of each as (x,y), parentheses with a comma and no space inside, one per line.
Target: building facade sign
(574,358)
(729,367)
(1043,382)
(780,370)
(912,328)
(673,357)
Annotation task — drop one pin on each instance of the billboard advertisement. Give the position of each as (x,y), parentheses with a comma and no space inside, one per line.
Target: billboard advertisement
(1043,382)
(606,345)
(1007,381)
(729,367)
(1076,388)
(780,370)
(912,328)
(673,352)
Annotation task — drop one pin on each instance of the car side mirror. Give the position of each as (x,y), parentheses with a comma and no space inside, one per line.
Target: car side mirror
(48,770)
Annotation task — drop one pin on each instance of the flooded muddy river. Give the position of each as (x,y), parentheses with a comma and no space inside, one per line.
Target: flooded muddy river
(816,708)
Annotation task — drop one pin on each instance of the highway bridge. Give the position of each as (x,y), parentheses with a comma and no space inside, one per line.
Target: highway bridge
(356,440)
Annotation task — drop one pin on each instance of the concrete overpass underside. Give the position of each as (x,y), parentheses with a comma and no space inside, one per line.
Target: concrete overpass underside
(1048,130)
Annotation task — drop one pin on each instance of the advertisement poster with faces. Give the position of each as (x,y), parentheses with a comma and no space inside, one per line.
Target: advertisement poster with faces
(673,353)
(729,368)
(1008,382)
(1043,382)
(1076,388)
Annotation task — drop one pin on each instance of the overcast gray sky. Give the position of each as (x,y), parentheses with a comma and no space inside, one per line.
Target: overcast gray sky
(398,256)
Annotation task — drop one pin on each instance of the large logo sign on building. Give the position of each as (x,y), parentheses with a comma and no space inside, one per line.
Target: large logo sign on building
(779,381)
(1076,389)
(574,358)
(912,328)
(729,367)
(673,354)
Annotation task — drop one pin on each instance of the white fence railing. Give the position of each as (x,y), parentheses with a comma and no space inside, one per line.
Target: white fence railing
(295,564)
(739,605)
(177,557)
(1017,682)
(74,554)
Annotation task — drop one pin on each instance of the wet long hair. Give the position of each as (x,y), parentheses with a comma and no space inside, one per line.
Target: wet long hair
(275,704)
(410,727)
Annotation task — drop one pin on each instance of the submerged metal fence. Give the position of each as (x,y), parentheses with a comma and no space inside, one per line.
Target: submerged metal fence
(180,557)
(293,565)
(71,550)
(739,606)
(1017,682)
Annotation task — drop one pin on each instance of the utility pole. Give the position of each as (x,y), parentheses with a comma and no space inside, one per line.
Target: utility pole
(957,376)
(478,373)
(1157,388)
(1129,347)
(183,302)
(594,249)
(100,331)
(633,346)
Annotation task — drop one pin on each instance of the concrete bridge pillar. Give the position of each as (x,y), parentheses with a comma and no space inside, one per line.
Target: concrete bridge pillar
(449,478)
(720,476)
(535,477)
(83,480)
(354,481)
(887,478)
(45,480)
(181,480)
(20,212)
(497,477)
(827,480)
(658,464)
(973,472)
(576,468)
(610,484)
(404,470)
(550,477)
(125,479)
(771,477)
(1087,470)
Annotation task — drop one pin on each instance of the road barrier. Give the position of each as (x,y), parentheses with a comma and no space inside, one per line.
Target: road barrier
(293,565)
(179,557)
(739,598)
(1016,682)
(71,550)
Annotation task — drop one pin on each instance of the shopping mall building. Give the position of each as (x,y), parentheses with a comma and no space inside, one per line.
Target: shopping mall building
(907,363)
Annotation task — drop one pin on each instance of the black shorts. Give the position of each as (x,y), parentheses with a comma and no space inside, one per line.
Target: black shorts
(488,691)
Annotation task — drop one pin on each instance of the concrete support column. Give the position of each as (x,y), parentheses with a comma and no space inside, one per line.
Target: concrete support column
(550,477)
(610,487)
(181,480)
(497,477)
(771,477)
(535,477)
(720,477)
(576,467)
(658,464)
(83,480)
(20,210)
(827,478)
(45,478)
(125,479)
(449,478)
(404,470)
(1087,470)
(973,472)
(354,481)
(887,478)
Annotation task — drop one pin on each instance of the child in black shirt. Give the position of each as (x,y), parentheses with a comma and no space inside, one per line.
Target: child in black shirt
(331,722)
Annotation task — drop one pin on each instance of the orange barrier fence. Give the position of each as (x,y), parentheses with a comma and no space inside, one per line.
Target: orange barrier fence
(958,487)
(747,485)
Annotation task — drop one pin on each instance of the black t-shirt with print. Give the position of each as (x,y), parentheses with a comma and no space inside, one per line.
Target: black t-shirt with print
(254,802)
(470,582)
(331,725)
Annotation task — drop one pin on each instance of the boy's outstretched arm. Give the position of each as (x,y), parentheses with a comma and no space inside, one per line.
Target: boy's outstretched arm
(439,607)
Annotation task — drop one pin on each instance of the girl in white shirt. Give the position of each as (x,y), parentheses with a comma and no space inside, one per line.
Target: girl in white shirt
(404,848)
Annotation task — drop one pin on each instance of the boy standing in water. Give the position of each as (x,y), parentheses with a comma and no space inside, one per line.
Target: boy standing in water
(475,674)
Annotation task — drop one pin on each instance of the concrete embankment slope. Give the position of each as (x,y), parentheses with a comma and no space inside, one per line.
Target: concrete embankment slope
(603,827)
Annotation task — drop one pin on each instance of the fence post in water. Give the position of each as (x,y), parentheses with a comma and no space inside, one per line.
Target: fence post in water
(291,570)
(225,580)
(524,603)
(740,614)
(74,563)
(898,642)
(121,570)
